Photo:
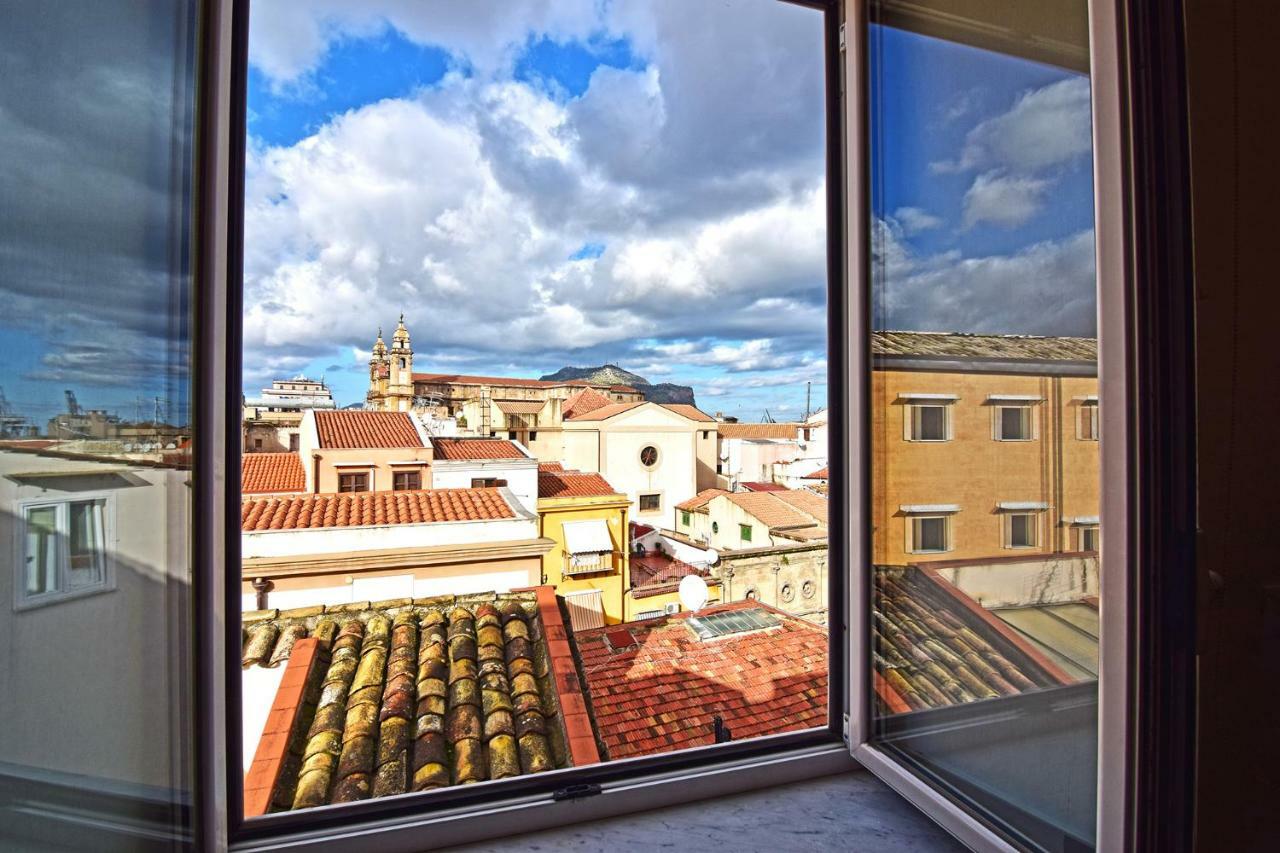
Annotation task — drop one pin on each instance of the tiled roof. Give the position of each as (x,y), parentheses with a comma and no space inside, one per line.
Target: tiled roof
(934,646)
(583,401)
(476,448)
(347,428)
(520,407)
(573,484)
(362,509)
(656,573)
(700,500)
(544,467)
(605,412)
(770,509)
(805,501)
(275,473)
(958,345)
(760,430)
(693,413)
(411,695)
(763,487)
(660,693)
(820,474)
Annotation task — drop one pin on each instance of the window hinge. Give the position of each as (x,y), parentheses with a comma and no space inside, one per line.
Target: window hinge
(846,729)
(842,38)
(576,792)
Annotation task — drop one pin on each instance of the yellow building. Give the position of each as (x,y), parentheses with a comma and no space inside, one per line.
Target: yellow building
(589,562)
(983,446)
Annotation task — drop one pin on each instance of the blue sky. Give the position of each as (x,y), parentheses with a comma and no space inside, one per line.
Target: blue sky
(547,182)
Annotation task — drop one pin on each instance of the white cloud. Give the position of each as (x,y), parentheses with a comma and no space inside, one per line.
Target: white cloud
(1006,200)
(914,220)
(1045,127)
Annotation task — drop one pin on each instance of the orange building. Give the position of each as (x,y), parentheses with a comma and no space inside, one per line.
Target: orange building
(983,446)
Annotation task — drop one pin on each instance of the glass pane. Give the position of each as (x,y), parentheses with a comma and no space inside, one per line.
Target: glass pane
(97,118)
(985,658)
(569,259)
(42,550)
(933,423)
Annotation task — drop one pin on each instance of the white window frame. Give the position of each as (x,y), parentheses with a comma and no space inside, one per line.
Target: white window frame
(1083,530)
(912,411)
(107,582)
(1035,524)
(997,422)
(1089,421)
(913,537)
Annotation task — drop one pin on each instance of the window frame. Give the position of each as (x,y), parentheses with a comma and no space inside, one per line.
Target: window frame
(368,482)
(1032,529)
(396,475)
(913,537)
(640,496)
(913,413)
(997,427)
(21,600)
(484,810)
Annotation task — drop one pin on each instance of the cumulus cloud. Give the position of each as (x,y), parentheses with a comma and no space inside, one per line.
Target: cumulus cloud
(1007,200)
(914,220)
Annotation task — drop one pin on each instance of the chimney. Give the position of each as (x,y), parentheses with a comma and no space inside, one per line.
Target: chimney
(722,733)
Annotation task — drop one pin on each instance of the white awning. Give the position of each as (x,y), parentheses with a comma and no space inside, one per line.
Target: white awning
(919,509)
(1086,519)
(1022,505)
(939,398)
(587,537)
(1015,398)
(1087,398)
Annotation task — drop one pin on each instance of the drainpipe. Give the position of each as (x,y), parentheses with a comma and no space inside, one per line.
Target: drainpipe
(262,586)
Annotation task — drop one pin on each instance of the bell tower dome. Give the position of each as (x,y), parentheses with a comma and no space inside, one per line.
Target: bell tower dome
(400,356)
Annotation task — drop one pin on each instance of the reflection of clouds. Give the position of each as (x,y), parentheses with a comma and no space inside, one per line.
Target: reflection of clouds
(89,253)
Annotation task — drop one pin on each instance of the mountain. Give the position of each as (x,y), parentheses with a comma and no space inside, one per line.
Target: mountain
(611,374)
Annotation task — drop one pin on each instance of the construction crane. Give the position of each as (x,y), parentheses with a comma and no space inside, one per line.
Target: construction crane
(73,407)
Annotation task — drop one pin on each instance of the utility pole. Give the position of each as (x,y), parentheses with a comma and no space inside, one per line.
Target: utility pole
(808,394)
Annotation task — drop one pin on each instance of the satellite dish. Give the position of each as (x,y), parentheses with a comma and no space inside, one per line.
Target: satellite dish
(712,557)
(693,592)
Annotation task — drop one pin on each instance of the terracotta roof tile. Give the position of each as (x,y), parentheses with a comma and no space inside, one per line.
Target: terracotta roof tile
(693,413)
(476,448)
(583,401)
(958,345)
(763,487)
(775,431)
(274,473)
(423,694)
(771,510)
(520,407)
(544,467)
(605,412)
(351,429)
(820,474)
(566,484)
(655,573)
(661,693)
(700,500)
(805,501)
(362,509)
(936,647)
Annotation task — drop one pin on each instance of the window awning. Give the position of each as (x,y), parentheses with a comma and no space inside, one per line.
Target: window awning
(937,398)
(1088,398)
(1021,505)
(1086,519)
(1014,398)
(587,537)
(519,407)
(920,509)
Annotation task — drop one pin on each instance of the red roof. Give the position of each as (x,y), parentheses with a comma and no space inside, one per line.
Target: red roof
(658,570)
(701,499)
(583,401)
(763,487)
(638,529)
(364,509)
(476,448)
(352,429)
(273,473)
(661,694)
(820,474)
(693,413)
(572,484)
(544,467)
(604,412)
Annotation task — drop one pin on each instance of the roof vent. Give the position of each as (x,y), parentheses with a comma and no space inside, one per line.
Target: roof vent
(619,639)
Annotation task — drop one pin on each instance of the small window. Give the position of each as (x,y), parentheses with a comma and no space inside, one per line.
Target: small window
(929,534)
(64,550)
(257,444)
(744,531)
(650,503)
(487,483)
(293,442)
(1020,530)
(406,480)
(353,482)
(706,434)
(1013,423)
(1089,538)
(930,423)
(533,435)
(684,518)
(1088,427)
(403,364)
(649,456)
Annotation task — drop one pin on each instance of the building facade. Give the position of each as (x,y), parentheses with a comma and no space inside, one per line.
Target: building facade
(273,418)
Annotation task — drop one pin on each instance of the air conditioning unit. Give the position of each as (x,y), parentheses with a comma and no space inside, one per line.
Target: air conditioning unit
(672,607)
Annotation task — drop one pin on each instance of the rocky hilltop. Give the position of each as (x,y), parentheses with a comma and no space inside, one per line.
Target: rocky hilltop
(612,374)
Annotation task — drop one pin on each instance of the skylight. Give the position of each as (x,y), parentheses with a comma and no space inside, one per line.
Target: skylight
(716,625)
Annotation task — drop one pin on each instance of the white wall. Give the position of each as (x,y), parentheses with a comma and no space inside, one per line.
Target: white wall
(521,476)
(337,540)
(344,590)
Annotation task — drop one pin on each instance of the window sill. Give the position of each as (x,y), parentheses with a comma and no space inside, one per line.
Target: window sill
(52,598)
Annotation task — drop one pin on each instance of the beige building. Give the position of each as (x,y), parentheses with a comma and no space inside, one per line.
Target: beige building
(272,420)
(354,451)
(724,521)
(983,445)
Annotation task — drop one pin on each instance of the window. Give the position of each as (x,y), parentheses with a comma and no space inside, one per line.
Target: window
(487,482)
(257,444)
(650,503)
(744,532)
(649,456)
(64,550)
(1088,424)
(929,534)
(685,518)
(930,422)
(406,481)
(705,435)
(1021,530)
(1088,538)
(1014,423)
(353,482)
(533,435)
(293,442)
(511,435)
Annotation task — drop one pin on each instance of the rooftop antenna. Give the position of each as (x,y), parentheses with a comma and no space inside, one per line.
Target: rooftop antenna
(768,418)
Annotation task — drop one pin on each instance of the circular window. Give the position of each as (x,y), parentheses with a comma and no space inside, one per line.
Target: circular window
(752,595)
(808,589)
(788,593)
(649,456)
